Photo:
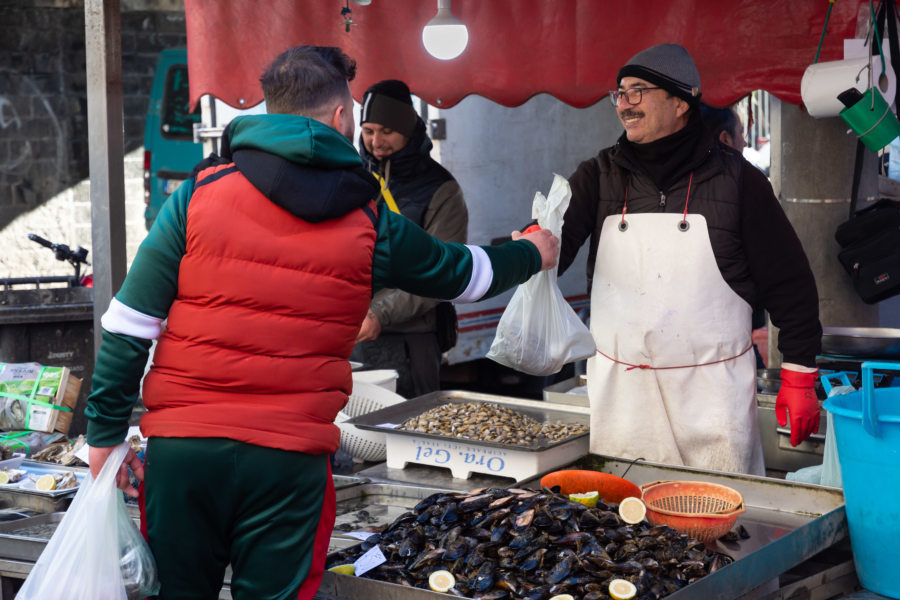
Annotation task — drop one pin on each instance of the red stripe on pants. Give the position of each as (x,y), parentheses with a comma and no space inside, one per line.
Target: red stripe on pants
(323,536)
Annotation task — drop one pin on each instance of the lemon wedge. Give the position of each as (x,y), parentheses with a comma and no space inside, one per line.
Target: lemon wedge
(441,581)
(343,569)
(622,589)
(4,477)
(589,499)
(563,597)
(45,483)
(632,510)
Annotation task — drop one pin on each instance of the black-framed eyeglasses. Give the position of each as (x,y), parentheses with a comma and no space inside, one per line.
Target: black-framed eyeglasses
(632,95)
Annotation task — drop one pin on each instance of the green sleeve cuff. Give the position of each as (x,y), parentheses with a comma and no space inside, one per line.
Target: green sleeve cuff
(115,386)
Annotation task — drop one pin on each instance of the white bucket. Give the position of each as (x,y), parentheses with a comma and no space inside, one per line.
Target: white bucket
(822,82)
(386,378)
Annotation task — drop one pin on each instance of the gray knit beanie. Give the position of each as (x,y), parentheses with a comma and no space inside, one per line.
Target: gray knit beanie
(670,67)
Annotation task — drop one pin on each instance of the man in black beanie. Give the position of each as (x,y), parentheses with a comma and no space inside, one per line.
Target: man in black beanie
(686,238)
(401,331)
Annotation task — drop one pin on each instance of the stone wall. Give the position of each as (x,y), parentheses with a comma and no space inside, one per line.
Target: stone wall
(44,187)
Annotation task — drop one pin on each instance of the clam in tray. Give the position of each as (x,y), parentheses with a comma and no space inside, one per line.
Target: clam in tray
(480,433)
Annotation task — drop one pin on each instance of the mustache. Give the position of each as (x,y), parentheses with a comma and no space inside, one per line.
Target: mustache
(627,113)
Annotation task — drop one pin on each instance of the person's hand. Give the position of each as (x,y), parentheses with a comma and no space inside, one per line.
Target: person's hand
(547,244)
(97,458)
(370,329)
(760,338)
(797,395)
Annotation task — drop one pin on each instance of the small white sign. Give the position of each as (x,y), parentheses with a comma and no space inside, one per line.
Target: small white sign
(389,425)
(360,535)
(369,561)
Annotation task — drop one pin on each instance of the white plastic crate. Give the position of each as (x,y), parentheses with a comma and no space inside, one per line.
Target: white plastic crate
(365,398)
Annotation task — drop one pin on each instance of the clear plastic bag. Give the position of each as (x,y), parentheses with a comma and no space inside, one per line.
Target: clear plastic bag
(539,332)
(96,552)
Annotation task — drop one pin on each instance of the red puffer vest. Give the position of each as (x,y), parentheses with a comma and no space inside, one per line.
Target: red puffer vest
(266,314)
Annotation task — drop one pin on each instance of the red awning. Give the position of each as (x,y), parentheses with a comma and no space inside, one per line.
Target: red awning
(571,49)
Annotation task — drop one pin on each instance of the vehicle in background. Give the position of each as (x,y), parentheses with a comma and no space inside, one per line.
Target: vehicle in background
(170,152)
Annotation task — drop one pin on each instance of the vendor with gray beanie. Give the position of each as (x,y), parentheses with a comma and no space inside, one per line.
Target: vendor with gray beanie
(401,331)
(686,239)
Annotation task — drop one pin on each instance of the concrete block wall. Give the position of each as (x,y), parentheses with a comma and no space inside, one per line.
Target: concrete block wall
(44,186)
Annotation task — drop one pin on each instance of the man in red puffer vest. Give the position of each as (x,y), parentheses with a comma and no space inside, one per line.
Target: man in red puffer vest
(262,267)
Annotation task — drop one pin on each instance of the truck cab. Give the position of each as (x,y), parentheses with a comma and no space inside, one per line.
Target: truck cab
(170,152)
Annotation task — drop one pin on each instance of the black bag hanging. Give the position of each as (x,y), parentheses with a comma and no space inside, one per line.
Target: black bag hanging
(870,239)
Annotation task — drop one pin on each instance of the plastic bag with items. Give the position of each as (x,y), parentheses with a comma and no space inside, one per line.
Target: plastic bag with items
(539,332)
(96,552)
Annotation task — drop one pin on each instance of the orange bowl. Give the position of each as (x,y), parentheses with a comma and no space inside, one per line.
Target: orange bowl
(577,481)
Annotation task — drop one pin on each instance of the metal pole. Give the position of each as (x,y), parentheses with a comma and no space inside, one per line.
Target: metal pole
(103,44)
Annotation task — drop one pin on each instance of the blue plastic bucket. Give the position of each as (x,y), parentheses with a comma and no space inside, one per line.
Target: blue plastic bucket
(867,432)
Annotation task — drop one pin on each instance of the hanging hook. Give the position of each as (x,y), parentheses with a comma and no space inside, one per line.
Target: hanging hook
(347,15)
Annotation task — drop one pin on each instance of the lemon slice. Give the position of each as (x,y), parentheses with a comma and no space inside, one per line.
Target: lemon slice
(45,483)
(441,581)
(343,569)
(632,510)
(622,589)
(563,597)
(4,477)
(589,499)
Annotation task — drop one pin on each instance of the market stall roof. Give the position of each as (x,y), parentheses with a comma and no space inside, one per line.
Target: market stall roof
(571,49)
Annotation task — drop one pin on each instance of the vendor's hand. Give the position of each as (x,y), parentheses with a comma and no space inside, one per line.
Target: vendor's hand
(370,329)
(797,395)
(97,457)
(760,338)
(547,244)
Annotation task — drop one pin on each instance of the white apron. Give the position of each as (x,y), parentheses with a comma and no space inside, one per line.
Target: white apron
(659,300)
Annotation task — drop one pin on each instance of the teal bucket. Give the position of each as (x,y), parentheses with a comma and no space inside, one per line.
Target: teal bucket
(867,432)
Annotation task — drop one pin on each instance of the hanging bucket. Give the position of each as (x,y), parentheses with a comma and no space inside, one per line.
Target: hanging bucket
(822,82)
(872,120)
(867,431)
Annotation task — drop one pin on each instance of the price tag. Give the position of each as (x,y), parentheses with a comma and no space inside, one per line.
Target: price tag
(360,535)
(369,561)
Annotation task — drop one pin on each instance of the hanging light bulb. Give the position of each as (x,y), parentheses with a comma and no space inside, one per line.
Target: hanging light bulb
(445,36)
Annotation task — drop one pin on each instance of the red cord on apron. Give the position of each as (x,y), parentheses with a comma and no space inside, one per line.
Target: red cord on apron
(687,199)
(644,366)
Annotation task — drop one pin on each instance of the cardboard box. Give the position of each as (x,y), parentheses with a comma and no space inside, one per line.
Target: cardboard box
(37,397)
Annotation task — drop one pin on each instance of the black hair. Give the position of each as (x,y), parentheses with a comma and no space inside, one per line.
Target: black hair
(719,119)
(304,80)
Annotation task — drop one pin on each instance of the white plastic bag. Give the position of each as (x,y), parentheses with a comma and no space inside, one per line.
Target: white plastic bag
(539,332)
(96,552)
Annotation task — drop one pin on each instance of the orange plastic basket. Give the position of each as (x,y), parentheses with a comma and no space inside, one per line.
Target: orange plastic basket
(705,511)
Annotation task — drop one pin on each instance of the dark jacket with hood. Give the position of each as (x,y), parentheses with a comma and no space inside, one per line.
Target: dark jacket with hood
(755,246)
(427,194)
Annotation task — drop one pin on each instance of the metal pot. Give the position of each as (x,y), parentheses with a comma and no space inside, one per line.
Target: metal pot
(768,380)
(861,342)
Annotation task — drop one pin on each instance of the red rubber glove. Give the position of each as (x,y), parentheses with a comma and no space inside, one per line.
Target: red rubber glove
(798,396)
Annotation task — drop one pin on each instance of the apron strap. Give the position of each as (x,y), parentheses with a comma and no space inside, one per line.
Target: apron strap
(645,366)
(687,197)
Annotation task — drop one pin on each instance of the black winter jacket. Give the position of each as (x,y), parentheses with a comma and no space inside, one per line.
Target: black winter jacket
(755,246)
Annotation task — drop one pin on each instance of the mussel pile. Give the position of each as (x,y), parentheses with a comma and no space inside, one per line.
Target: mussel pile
(510,543)
(489,422)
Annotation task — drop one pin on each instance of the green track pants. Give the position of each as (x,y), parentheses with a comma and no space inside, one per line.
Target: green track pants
(211,502)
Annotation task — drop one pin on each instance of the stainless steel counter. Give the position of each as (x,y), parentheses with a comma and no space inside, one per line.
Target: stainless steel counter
(798,534)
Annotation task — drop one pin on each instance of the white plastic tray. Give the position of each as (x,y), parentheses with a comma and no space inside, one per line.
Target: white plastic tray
(464,457)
